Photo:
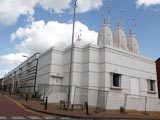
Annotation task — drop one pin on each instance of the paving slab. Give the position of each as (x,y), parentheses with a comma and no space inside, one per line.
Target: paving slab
(34,117)
(3,117)
(17,117)
(54,109)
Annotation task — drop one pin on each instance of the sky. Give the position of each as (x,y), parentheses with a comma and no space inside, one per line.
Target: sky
(30,26)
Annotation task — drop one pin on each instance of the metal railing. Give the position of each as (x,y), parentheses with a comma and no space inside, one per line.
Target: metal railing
(97,99)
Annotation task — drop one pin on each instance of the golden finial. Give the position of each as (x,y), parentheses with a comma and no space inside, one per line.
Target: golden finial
(104,20)
(78,39)
(80,33)
(118,24)
(130,31)
(79,36)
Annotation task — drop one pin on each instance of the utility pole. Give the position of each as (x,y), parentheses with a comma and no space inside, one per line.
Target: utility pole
(71,57)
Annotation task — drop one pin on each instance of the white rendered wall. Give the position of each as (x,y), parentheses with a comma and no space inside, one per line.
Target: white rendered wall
(44,67)
(92,68)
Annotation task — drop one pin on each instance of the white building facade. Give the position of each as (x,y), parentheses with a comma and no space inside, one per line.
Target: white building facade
(23,77)
(110,74)
(113,65)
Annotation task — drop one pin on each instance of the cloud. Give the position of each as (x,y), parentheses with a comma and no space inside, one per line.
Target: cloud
(147,3)
(40,36)
(87,5)
(58,6)
(12,60)
(11,10)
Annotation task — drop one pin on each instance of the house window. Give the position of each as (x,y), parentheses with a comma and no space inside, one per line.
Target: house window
(151,86)
(116,80)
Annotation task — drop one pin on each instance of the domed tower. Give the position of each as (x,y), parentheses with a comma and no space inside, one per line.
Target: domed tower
(105,35)
(132,43)
(119,38)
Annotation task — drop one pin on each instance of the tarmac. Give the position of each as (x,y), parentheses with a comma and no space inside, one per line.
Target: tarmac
(37,106)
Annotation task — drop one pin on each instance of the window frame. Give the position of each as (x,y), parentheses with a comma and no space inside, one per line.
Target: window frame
(119,87)
(151,86)
(28,66)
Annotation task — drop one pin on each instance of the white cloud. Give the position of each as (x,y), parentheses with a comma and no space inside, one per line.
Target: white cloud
(147,3)
(40,35)
(87,5)
(12,59)
(10,10)
(58,6)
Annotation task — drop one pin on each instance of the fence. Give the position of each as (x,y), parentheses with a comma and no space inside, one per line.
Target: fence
(97,99)
(54,92)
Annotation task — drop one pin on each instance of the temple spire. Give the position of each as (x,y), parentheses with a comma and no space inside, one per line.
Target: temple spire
(122,18)
(132,43)
(130,32)
(79,36)
(109,12)
(134,26)
(105,22)
(118,24)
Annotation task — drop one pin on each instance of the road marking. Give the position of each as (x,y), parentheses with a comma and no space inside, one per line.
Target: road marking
(34,117)
(3,117)
(17,117)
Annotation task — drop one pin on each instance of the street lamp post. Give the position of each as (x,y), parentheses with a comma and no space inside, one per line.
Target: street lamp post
(71,57)
(25,56)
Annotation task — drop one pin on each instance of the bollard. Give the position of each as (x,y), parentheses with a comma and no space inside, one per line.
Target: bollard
(145,109)
(122,110)
(26,97)
(46,102)
(10,93)
(87,111)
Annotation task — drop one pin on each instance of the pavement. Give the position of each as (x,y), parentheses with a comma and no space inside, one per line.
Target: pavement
(34,107)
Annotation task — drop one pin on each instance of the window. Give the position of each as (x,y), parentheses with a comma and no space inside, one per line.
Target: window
(14,75)
(151,86)
(28,66)
(116,80)
(20,71)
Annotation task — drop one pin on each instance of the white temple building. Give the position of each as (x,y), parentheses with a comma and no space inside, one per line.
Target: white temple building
(113,65)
